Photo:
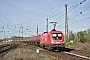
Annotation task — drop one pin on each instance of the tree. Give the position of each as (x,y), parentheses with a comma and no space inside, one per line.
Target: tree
(85,35)
(82,36)
(76,38)
(71,35)
(88,35)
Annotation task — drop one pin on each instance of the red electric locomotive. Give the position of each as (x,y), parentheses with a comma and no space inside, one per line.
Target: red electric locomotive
(52,40)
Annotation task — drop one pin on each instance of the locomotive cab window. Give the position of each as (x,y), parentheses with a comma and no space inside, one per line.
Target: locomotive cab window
(57,36)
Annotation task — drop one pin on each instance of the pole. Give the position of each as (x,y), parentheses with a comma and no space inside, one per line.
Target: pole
(66,24)
(37,27)
(3,32)
(22,31)
(47,25)
(19,34)
(37,30)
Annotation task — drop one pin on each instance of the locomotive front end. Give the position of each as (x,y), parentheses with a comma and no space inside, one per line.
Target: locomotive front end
(57,40)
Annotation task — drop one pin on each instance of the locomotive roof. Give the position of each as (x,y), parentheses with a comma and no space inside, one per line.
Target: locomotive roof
(53,30)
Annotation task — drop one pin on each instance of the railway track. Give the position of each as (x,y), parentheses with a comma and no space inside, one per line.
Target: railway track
(80,56)
(68,54)
(6,48)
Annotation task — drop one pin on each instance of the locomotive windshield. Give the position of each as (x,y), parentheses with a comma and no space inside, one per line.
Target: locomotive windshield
(57,36)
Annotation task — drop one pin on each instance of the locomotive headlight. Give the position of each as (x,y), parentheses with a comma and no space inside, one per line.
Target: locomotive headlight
(62,41)
(52,42)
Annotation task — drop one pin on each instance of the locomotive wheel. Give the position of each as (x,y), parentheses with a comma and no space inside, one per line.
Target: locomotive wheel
(44,47)
(62,49)
(50,48)
(54,49)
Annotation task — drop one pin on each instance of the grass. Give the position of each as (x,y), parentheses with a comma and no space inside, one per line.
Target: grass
(25,53)
(81,46)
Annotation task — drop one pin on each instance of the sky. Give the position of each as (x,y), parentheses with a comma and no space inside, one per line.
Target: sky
(15,14)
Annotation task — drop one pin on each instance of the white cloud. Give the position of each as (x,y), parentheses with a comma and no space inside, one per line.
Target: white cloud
(16,3)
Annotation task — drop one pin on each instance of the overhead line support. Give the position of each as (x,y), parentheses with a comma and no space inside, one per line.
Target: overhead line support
(46,24)
(66,23)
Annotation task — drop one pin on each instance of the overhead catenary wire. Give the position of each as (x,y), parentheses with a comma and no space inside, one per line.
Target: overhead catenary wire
(58,9)
(55,16)
(80,13)
(69,9)
(6,20)
(80,21)
(6,27)
(72,8)
(3,16)
(56,19)
(44,15)
(12,30)
(48,12)
(83,26)
(35,25)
